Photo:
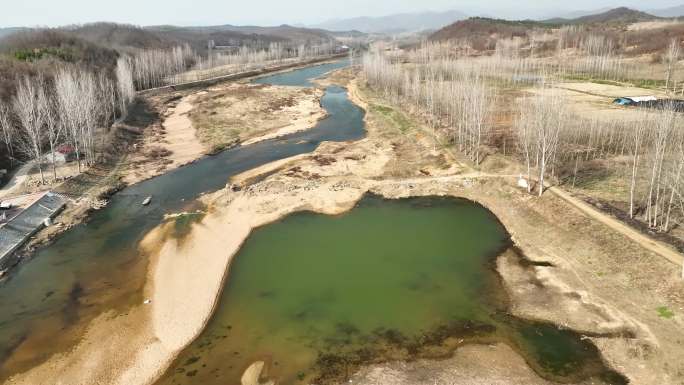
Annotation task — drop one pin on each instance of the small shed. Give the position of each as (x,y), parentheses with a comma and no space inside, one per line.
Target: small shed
(63,154)
(634,100)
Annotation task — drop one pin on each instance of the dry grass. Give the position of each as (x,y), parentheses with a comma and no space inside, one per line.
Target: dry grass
(237,112)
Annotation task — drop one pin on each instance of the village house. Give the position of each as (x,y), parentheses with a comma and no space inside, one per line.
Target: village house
(63,154)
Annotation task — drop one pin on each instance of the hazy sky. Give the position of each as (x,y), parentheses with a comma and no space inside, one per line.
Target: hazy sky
(273,12)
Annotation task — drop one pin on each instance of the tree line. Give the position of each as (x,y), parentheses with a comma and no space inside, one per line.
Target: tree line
(225,62)
(73,107)
(457,96)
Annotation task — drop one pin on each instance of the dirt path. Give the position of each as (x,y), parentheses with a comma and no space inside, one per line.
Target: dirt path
(615,224)
(13,187)
(643,240)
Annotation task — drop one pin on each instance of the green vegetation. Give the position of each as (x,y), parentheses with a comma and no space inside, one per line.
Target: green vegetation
(586,78)
(525,23)
(41,53)
(649,83)
(665,312)
(397,118)
(653,84)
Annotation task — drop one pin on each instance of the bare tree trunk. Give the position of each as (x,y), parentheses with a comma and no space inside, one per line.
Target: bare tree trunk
(31,106)
(8,130)
(671,57)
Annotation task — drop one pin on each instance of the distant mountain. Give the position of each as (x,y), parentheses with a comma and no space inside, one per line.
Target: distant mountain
(404,22)
(577,14)
(9,31)
(617,15)
(677,11)
(348,34)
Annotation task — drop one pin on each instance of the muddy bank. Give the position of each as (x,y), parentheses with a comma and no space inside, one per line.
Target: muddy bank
(481,364)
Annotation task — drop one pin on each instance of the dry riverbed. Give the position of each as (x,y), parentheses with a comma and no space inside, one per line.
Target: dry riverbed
(595,281)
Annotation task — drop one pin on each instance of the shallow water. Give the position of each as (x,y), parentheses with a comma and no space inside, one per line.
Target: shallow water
(96,266)
(301,78)
(316,296)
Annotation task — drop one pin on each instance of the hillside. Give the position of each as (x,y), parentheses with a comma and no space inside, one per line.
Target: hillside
(294,34)
(620,15)
(122,36)
(197,37)
(348,34)
(97,46)
(405,22)
(59,45)
(483,32)
(32,51)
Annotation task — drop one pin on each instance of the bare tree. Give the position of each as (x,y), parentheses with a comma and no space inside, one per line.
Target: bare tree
(638,132)
(542,120)
(30,106)
(69,97)
(8,130)
(671,57)
(108,102)
(91,114)
(661,141)
(526,140)
(53,127)
(125,85)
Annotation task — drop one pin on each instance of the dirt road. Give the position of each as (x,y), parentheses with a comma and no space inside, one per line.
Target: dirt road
(13,187)
(643,240)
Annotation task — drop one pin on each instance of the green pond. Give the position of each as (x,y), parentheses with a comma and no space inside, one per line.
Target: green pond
(316,296)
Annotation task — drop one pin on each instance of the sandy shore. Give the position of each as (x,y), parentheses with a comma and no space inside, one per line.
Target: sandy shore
(185,276)
(180,138)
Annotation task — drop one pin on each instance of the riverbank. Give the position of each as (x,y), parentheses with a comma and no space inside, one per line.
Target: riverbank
(159,136)
(593,279)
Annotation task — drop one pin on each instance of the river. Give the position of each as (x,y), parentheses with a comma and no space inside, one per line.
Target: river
(97,266)
(312,296)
